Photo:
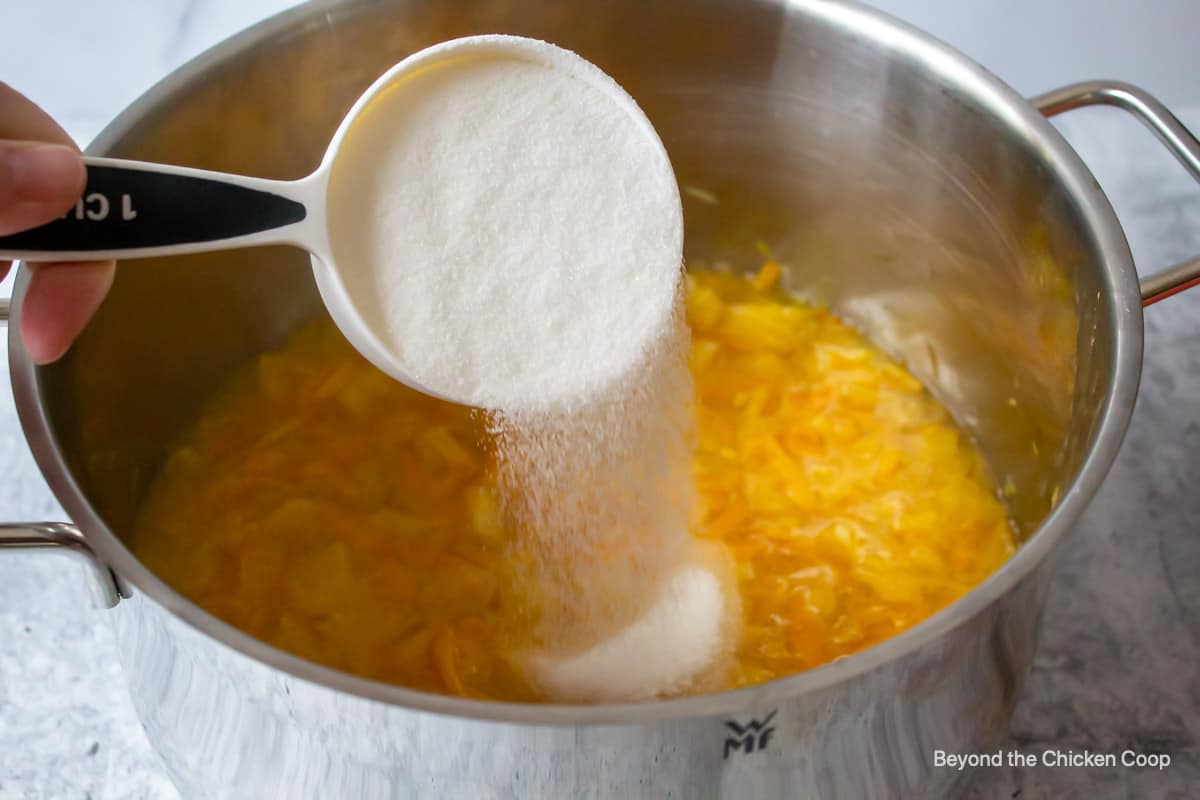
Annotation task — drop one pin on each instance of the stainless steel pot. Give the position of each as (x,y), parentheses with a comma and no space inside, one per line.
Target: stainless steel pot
(898,181)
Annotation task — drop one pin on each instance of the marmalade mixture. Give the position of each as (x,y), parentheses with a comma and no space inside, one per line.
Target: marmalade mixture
(334,513)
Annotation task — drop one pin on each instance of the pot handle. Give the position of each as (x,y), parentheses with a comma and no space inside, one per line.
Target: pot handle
(1170,131)
(61,537)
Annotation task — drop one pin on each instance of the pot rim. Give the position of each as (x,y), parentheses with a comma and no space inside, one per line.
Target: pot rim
(1121,289)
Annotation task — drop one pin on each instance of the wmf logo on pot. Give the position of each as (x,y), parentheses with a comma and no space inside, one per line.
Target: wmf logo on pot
(749,737)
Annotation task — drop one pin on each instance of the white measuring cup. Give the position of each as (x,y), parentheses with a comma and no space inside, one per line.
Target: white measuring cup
(136,209)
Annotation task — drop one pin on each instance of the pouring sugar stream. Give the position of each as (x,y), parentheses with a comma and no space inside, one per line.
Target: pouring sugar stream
(495,222)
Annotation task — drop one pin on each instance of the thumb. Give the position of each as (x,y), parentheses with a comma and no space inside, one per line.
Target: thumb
(38,182)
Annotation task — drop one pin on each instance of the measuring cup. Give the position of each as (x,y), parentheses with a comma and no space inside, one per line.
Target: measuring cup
(135,209)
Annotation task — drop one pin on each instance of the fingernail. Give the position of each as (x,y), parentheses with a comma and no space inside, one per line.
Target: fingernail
(42,172)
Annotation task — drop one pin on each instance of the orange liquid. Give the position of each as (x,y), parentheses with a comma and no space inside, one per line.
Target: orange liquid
(326,509)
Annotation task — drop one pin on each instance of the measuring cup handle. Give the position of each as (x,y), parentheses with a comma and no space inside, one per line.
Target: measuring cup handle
(134,208)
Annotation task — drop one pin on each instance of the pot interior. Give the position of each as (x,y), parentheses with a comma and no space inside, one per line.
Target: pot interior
(886,186)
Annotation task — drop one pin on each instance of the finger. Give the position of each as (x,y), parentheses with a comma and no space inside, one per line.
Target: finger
(34,187)
(38,183)
(59,301)
(22,119)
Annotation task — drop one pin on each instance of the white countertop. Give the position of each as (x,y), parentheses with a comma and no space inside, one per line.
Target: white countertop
(1118,654)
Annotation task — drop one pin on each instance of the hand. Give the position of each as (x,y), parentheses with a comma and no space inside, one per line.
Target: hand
(41,176)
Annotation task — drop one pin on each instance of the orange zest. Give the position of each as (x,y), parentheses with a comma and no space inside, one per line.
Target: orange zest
(331,512)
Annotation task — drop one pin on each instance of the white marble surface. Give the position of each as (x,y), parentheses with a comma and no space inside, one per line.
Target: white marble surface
(1118,658)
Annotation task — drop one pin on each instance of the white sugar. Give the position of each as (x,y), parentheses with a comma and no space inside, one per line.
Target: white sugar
(661,652)
(511,232)
(601,495)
